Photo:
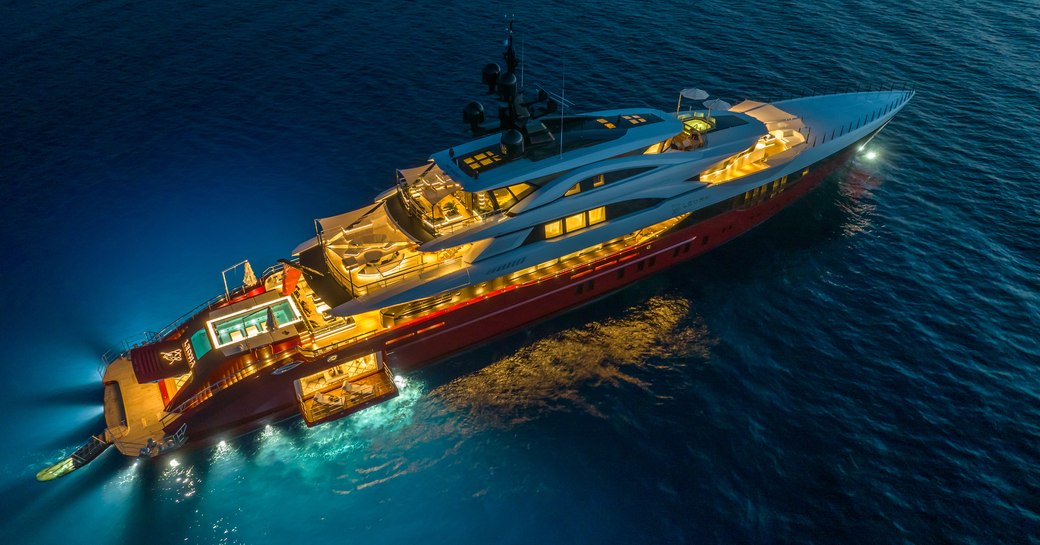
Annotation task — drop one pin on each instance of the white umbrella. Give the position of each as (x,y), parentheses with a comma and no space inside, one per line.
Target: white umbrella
(717,104)
(249,278)
(691,93)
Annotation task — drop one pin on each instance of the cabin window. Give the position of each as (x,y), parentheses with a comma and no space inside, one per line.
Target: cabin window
(656,148)
(588,218)
(554,229)
(605,178)
(624,208)
(521,190)
(506,197)
(575,222)
(503,198)
(606,123)
(200,343)
(623,174)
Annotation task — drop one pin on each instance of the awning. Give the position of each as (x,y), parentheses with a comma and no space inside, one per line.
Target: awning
(411,174)
(774,118)
(346,221)
(334,223)
(160,360)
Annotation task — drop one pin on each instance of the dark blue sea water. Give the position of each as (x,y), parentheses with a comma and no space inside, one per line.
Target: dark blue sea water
(861,369)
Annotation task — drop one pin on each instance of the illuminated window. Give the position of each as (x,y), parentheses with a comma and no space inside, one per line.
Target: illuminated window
(575,222)
(200,343)
(506,197)
(634,119)
(482,159)
(606,178)
(656,148)
(521,190)
(597,215)
(554,229)
(606,123)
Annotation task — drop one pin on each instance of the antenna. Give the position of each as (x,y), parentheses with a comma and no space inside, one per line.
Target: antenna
(563,96)
(523,42)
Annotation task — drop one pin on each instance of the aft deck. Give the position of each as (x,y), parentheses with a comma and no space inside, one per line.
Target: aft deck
(133,411)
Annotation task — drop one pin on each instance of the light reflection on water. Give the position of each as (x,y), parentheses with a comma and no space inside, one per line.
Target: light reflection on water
(420,431)
(556,373)
(858,185)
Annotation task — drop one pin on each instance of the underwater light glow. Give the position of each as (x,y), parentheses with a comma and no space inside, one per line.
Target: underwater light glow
(871,155)
(174,463)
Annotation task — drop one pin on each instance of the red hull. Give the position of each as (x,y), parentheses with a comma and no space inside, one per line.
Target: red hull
(267,398)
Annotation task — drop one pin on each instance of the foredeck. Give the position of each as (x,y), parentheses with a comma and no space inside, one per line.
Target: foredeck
(141,408)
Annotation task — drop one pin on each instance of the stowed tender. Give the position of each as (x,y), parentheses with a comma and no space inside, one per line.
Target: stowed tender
(541,212)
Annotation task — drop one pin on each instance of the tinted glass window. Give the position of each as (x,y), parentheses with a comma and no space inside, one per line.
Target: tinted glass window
(605,178)
(200,343)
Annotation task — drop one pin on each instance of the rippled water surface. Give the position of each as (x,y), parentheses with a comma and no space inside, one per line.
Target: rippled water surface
(861,369)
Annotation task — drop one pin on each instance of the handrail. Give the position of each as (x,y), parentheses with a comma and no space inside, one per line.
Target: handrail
(419,269)
(274,268)
(124,346)
(219,297)
(317,352)
(149,337)
(840,90)
(428,220)
(223,383)
(874,115)
(178,438)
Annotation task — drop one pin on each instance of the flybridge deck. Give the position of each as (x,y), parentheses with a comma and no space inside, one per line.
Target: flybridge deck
(481,165)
